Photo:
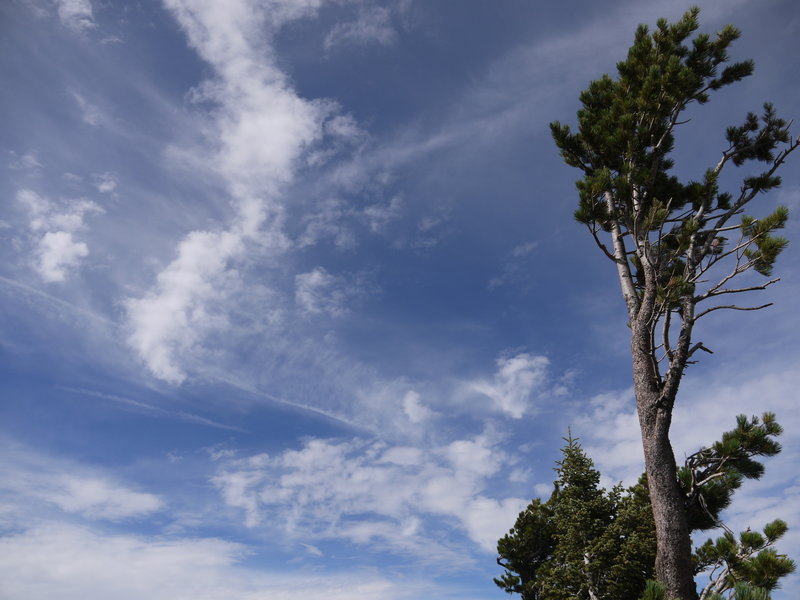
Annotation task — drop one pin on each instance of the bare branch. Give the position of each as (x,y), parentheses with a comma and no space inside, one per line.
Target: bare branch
(718,292)
(667,322)
(732,307)
(696,347)
(599,243)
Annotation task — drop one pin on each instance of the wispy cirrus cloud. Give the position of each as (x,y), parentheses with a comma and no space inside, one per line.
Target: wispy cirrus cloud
(29,161)
(320,292)
(373,24)
(154,410)
(31,478)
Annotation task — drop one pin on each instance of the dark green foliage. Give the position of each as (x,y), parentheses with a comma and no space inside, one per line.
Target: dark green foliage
(582,512)
(767,247)
(711,475)
(669,239)
(654,591)
(526,548)
(709,479)
(625,134)
(583,538)
(747,559)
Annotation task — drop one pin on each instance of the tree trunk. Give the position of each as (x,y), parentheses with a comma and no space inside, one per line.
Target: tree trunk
(673,550)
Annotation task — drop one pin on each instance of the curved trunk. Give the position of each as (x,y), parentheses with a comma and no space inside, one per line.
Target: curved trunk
(673,550)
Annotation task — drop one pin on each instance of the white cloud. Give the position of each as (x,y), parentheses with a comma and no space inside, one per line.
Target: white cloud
(91,114)
(31,479)
(105,182)
(330,220)
(372,25)
(27,162)
(54,227)
(58,253)
(371,492)
(517,378)
(611,427)
(54,560)
(414,409)
(262,127)
(524,249)
(76,14)
(170,319)
(319,292)
(378,215)
(96,498)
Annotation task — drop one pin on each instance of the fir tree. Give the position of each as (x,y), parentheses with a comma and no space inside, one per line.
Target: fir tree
(583,542)
(675,245)
(586,543)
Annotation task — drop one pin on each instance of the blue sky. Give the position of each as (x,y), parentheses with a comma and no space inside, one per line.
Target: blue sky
(292,303)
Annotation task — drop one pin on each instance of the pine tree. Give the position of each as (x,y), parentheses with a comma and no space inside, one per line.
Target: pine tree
(747,565)
(675,245)
(586,543)
(525,548)
(583,543)
(581,513)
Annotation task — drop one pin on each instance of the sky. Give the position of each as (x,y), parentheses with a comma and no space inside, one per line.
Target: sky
(293,305)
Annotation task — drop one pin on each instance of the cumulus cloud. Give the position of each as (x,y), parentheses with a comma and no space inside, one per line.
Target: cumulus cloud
(59,252)
(171,318)
(414,409)
(105,182)
(54,226)
(76,15)
(262,126)
(517,378)
(373,492)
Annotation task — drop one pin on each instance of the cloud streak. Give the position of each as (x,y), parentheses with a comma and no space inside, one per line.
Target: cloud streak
(31,478)
(55,560)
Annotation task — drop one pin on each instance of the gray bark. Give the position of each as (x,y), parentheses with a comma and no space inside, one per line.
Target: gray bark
(655,399)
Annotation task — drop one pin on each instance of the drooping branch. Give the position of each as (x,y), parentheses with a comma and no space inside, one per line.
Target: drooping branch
(731,307)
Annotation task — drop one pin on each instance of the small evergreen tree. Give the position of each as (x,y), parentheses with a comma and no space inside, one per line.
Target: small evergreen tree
(525,548)
(583,543)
